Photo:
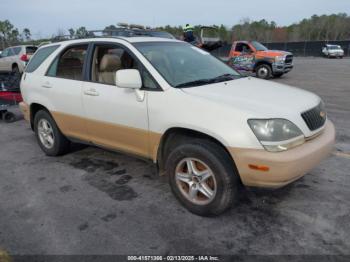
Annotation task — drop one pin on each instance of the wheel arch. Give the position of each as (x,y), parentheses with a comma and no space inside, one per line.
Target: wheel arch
(169,138)
(33,109)
(14,64)
(262,62)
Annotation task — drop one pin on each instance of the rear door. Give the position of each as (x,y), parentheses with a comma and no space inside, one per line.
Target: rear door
(62,86)
(116,117)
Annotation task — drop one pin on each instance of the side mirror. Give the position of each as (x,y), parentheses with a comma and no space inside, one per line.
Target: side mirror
(128,78)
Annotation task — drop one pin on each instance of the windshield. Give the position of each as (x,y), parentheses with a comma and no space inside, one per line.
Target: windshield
(258,46)
(183,65)
(334,47)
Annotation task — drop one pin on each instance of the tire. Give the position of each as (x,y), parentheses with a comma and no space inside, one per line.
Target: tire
(277,75)
(59,144)
(223,182)
(15,70)
(9,117)
(263,71)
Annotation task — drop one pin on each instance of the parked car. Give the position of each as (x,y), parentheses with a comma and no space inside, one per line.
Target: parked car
(14,59)
(333,51)
(205,126)
(252,56)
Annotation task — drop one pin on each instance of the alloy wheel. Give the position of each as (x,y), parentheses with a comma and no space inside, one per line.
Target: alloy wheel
(196,181)
(46,134)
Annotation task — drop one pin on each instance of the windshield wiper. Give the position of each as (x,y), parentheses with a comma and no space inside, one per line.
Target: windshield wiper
(217,79)
(224,77)
(194,83)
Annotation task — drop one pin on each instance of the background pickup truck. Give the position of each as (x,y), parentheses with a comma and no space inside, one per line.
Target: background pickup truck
(252,56)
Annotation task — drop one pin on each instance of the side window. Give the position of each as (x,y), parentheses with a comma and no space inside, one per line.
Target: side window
(70,64)
(107,60)
(242,47)
(10,52)
(40,57)
(147,80)
(53,68)
(238,47)
(5,52)
(16,50)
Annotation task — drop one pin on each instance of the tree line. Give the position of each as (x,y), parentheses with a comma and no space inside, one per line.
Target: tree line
(11,35)
(323,27)
(315,28)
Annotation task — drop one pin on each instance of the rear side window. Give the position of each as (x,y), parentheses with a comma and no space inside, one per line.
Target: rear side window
(31,50)
(70,64)
(39,57)
(16,50)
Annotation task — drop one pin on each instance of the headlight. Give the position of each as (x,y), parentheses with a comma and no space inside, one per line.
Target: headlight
(276,134)
(280,59)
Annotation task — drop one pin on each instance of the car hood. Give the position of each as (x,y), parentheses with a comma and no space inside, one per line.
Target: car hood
(273,53)
(260,98)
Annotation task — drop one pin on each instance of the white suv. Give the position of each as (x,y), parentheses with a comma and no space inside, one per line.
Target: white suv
(333,51)
(205,126)
(14,59)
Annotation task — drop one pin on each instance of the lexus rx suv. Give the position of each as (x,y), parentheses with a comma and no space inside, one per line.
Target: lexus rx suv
(204,125)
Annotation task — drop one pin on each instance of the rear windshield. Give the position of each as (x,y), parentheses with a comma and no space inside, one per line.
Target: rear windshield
(39,57)
(31,50)
(16,50)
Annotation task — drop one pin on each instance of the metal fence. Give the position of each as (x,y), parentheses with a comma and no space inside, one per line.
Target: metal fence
(306,48)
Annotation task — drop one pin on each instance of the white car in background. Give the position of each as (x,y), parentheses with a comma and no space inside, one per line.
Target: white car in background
(205,126)
(14,59)
(333,51)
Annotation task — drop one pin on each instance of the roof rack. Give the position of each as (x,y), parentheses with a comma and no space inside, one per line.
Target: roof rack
(123,30)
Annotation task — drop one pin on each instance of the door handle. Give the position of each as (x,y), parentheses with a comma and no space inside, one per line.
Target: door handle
(91,92)
(46,85)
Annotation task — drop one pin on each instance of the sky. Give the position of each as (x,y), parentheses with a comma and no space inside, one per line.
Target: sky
(47,17)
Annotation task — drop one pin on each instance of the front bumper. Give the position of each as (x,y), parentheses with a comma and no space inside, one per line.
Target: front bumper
(25,110)
(284,167)
(281,68)
(336,54)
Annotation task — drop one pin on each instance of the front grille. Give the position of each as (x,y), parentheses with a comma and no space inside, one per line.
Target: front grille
(289,59)
(315,117)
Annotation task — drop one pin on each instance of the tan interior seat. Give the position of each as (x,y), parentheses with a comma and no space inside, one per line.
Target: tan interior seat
(110,63)
(70,68)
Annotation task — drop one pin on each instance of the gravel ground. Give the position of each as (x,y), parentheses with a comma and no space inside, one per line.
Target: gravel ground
(96,202)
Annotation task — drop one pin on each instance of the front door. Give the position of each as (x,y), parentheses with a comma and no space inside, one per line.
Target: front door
(116,117)
(243,59)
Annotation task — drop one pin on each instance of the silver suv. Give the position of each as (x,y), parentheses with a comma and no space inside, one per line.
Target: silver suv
(14,59)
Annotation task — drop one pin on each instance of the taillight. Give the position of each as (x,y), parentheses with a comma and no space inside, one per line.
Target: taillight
(24,58)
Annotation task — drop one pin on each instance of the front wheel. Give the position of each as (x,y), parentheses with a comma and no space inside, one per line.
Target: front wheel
(49,137)
(202,177)
(263,71)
